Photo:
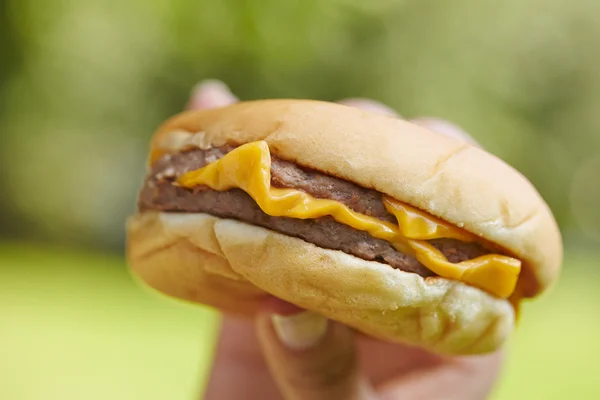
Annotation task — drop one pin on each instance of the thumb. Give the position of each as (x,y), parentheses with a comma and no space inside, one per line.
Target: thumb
(310,357)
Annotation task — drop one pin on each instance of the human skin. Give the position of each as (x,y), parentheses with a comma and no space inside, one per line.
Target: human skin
(289,353)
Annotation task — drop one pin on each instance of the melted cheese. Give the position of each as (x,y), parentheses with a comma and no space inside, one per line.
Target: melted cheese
(248,167)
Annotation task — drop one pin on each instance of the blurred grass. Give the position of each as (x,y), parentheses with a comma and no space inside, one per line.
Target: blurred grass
(75,326)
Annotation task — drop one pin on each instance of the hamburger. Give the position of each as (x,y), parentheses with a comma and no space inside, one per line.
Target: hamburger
(404,234)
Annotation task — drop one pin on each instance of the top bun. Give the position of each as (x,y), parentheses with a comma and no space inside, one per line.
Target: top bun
(443,176)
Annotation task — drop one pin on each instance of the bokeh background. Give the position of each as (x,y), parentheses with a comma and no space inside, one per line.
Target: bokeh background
(83,84)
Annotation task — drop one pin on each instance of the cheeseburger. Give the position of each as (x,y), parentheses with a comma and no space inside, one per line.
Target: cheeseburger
(402,233)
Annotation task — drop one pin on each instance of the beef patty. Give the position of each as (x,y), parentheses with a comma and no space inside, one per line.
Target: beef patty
(159,193)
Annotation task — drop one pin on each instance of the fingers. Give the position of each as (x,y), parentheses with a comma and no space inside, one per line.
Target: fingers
(239,370)
(210,94)
(445,128)
(468,378)
(214,93)
(310,357)
(369,105)
(432,124)
(403,373)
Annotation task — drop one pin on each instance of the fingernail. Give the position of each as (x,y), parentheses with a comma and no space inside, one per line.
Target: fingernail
(300,331)
(211,94)
(445,128)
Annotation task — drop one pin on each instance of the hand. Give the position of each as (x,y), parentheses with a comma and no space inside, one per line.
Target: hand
(289,353)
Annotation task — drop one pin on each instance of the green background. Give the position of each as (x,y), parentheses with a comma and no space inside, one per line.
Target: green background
(74,333)
(84,83)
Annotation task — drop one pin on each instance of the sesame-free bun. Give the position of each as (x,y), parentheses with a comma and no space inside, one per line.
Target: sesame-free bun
(232,266)
(443,176)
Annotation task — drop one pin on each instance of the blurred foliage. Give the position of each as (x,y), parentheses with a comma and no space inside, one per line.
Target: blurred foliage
(84,83)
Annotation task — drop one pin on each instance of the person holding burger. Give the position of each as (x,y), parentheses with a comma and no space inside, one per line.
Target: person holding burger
(355,255)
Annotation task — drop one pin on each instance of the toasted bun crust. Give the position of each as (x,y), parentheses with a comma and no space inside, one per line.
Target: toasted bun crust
(444,176)
(232,265)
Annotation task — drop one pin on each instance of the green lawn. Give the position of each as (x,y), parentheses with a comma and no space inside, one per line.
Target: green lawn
(75,326)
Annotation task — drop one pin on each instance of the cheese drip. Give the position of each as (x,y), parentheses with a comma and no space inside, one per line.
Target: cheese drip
(248,167)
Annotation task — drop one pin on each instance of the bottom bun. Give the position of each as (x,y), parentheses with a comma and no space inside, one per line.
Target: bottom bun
(232,266)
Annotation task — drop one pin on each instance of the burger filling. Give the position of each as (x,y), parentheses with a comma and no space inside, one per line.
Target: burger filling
(161,193)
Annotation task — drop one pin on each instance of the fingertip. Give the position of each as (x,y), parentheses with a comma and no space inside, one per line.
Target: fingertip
(301,331)
(445,128)
(310,356)
(369,105)
(210,93)
(295,328)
